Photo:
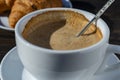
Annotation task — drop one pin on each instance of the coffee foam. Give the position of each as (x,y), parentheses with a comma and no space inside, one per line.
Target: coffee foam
(57,30)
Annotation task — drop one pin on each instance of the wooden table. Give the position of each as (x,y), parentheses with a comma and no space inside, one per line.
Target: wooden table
(111,16)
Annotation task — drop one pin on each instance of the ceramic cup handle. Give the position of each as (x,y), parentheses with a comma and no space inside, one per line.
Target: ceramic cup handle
(111,50)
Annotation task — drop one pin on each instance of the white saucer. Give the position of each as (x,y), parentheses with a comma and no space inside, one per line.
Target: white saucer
(12,68)
(4,24)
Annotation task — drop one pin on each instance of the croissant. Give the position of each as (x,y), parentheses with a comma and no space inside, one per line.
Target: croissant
(5,5)
(23,7)
(9,3)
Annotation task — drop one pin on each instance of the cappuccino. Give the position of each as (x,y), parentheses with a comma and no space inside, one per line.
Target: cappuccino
(57,30)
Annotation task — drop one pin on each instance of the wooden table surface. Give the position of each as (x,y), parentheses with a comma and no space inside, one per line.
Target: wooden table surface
(111,16)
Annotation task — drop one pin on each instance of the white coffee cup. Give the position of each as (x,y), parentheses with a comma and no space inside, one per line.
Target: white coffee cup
(80,64)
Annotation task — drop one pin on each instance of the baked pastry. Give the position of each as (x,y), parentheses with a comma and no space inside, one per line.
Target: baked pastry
(9,3)
(22,7)
(6,5)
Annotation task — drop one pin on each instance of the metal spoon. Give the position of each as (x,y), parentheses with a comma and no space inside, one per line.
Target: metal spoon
(100,12)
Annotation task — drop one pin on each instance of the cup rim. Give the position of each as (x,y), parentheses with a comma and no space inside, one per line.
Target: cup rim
(89,48)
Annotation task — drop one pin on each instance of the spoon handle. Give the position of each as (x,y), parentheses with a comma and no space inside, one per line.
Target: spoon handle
(104,8)
(100,12)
